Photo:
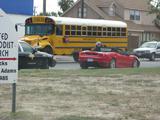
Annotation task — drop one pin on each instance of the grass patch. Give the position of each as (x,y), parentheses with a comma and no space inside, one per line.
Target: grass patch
(79,118)
(92,94)
(21,115)
(89,72)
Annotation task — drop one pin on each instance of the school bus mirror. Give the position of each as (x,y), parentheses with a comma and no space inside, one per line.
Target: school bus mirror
(16,28)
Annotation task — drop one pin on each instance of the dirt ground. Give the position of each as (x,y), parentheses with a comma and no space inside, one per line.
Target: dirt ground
(81,97)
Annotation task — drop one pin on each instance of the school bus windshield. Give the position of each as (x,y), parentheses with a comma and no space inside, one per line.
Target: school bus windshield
(39,29)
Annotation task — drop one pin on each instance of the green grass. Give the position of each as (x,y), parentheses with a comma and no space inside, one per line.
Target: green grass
(79,118)
(21,115)
(89,72)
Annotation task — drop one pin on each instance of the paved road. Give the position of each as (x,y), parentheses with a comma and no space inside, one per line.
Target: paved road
(69,64)
(147,63)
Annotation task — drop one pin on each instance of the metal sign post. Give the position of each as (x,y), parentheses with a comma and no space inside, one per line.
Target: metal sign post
(8,55)
(14,97)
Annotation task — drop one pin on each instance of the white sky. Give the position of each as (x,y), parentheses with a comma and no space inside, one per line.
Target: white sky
(51,5)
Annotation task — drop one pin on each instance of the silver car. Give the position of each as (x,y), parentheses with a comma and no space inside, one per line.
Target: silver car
(150,50)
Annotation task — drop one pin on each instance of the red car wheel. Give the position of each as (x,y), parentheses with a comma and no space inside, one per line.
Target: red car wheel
(135,64)
(83,65)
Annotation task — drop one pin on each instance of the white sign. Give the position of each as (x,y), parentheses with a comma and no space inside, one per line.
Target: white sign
(8,50)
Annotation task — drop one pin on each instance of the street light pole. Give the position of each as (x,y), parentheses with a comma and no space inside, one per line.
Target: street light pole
(44,7)
(82,8)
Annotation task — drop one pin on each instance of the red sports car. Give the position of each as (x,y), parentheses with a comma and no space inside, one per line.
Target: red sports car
(111,58)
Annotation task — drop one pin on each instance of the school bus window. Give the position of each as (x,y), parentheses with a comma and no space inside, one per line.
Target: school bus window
(73,27)
(123,29)
(59,30)
(109,29)
(73,30)
(123,34)
(84,28)
(104,29)
(94,28)
(67,27)
(67,32)
(73,33)
(118,29)
(99,33)
(109,34)
(113,29)
(104,33)
(89,28)
(79,33)
(99,28)
(94,34)
(79,28)
(113,34)
(84,33)
(118,34)
(89,33)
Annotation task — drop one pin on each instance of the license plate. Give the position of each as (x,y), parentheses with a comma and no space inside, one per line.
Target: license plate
(90,60)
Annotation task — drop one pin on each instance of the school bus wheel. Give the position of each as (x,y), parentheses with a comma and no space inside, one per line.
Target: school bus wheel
(48,49)
(75,56)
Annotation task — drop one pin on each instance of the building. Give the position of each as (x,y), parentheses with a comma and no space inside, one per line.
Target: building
(18,11)
(141,27)
(24,7)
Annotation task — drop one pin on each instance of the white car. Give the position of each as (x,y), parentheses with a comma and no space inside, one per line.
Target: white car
(150,50)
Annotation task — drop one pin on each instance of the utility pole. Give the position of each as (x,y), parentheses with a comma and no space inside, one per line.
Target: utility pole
(82,8)
(34,10)
(44,7)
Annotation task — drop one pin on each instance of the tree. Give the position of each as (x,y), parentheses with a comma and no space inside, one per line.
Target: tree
(49,14)
(155,9)
(65,4)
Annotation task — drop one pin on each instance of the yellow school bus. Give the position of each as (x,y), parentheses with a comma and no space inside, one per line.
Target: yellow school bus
(64,36)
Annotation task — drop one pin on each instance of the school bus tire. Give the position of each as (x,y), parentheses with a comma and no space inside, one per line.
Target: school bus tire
(76,56)
(48,50)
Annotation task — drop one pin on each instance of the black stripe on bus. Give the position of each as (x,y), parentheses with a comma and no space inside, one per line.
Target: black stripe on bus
(84,47)
(93,42)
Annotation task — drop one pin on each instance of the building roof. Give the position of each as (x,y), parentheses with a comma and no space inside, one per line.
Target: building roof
(135,4)
(129,4)
(95,5)
(143,28)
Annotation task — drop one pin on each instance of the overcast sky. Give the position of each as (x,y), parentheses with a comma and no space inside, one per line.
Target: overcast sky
(51,5)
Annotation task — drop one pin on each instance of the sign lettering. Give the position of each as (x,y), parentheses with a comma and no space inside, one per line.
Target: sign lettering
(8,51)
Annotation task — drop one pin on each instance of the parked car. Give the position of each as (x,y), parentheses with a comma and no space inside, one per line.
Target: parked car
(150,50)
(31,58)
(110,58)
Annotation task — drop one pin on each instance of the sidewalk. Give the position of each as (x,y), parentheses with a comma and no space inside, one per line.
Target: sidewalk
(64,59)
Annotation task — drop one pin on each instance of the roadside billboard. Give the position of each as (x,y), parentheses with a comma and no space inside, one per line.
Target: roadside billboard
(8,50)
(17,6)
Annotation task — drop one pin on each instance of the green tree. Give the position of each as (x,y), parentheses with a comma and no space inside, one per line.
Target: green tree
(155,7)
(65,4)
(49,14)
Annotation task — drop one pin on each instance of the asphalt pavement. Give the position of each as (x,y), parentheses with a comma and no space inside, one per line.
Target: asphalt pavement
(67,62)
